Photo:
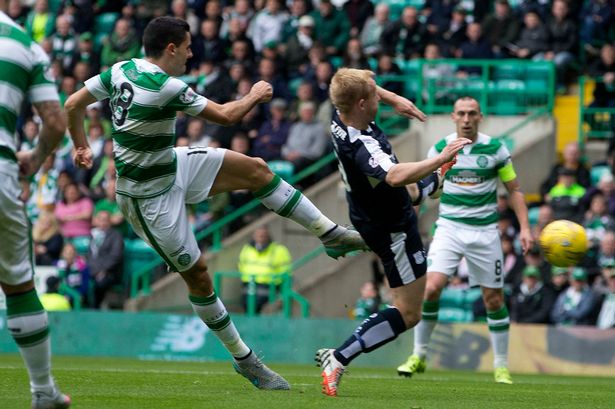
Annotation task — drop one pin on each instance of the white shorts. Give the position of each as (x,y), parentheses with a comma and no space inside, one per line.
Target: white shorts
(481,248)
(16,263)
(162,221)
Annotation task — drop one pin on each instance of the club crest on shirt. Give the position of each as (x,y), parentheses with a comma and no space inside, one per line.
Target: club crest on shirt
(188,96)
(482,161)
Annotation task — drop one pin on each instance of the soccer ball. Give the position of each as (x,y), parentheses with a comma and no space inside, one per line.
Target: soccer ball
(563,243)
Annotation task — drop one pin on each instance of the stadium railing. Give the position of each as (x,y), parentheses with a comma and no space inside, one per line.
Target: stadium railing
(503,87)
(286,294)
(596,122)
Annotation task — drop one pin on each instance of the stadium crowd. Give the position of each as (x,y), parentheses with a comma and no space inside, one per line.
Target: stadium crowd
(296,46)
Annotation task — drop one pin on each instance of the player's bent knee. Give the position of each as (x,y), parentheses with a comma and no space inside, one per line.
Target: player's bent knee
(432,292)
(260,174)
(411,318)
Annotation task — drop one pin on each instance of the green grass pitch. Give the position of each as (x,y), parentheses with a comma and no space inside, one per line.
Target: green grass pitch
(108,383)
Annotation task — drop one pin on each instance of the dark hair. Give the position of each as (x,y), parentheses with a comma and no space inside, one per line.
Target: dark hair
(160,32)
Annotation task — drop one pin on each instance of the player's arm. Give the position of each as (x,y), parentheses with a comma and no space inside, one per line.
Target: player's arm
(232,112)
(75,108)
(517,202)
(402,174)
(402,105)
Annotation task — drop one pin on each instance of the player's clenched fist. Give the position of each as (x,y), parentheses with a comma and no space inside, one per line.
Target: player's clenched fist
(451,149)
(263,90)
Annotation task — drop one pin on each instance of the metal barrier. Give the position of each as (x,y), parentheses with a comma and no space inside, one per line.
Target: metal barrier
(595,122)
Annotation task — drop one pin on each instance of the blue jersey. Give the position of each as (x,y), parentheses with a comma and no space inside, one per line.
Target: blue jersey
(364,158)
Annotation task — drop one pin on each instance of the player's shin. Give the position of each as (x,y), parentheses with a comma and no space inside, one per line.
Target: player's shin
(424,329)
(499,323)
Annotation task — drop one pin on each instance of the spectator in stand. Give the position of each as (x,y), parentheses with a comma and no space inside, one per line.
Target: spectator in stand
(40,22)
(604,69)
(322,81)
(332,27)
(565,197)
(214,82)
(17,12)
(540,7)
(354,57)
(606,254)
(241,53)
(298,9)
(597,220)
(307,139)
(533,38)
(267,72)
(358,11)
(512,263)
(596,17)
(207,45)
(606,317)
(102,171)
(560,279)
(43,189)
(262,260)
(74,272)
(179,9)
(213,11)
(562,41)
(121,45)
(81,72)
(532,301)
(501,28)
(272,133)
(296,49)
(74,213)
(601,283)
(577,304)
(451,37)
(85,53)
(105,256)
(406,37)
(475,48)
(368,303)
(109,205)
(47,240)
(571,159)
(30,133)
(64,42)
(534,258)
(388,66)
(267,25)
(51,299)
(305,93)
(373,28)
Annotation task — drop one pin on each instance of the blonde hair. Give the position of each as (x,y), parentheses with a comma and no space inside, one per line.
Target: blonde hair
(41,234)
(348,86)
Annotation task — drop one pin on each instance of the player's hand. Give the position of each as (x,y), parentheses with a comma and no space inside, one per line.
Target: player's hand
(29,163)
(405,107)
(527,240)
(83,157)
(450,150)
(263,91)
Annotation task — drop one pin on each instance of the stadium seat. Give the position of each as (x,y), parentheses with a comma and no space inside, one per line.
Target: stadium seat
(282,168)
(532,215)
(508,97)
(596,173)
(105,23)
(82,244)
(510,71)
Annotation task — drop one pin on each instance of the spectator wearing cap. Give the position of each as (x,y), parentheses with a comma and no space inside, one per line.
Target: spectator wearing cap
(273,132)
(85,53)
(373,28)
(267,25)
(565,197)
(606,316)
(296,50)
(571,159)
(577,304)
(121,45)
(560,279)
(601,283)
(501,28)
(332,27)
(532,300)
(533,38)
(406,37)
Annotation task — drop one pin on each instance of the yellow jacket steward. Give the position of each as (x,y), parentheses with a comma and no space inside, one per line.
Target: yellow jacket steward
(265,264)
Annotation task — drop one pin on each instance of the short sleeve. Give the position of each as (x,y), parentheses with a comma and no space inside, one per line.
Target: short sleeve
(186,100)
(100,85)
(371,159)
(42,82)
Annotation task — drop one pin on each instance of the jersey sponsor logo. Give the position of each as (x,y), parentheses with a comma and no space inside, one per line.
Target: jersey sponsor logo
(188,96)
(466,178)
(338,131)
(482,161)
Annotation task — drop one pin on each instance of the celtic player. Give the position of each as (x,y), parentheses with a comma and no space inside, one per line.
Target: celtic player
(155,180)
(467,227)
(24,73)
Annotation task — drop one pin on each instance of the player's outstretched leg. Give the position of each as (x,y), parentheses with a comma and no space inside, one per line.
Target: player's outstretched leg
(416,363)
(27,322)
(254,370)
(285,200)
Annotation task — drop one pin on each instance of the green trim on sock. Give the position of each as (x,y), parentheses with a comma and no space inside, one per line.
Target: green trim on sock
(220,324)
(32,339)
(291,204)
(201,301)
(431,306)
(499,314)
(23,304)
(269,188)
(499,327)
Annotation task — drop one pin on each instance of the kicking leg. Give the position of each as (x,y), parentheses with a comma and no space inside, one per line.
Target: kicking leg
(242,172)
(213,313)
(499,323)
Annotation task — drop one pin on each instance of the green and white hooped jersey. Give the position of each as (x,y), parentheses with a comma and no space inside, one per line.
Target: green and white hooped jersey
(470,187)
(24,69)
(144,101)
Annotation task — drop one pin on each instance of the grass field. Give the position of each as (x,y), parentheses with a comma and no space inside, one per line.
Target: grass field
(106,383)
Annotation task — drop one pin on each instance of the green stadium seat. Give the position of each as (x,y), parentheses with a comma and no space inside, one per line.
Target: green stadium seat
(293,86)
(596,173)
(336,61)
(532,215)
(282,168)
(105,23)
(510,71)
(82,244)
(137,254)
(508,97)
